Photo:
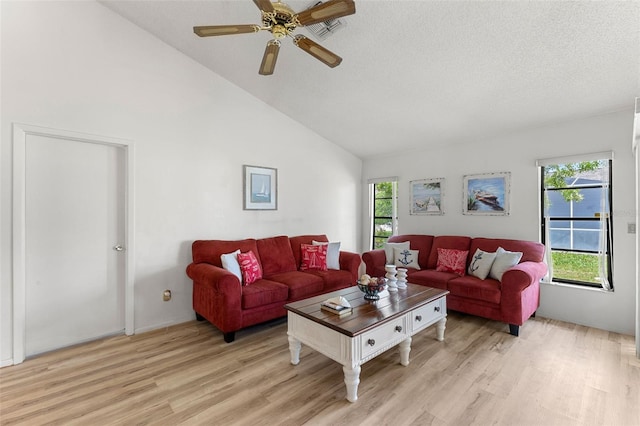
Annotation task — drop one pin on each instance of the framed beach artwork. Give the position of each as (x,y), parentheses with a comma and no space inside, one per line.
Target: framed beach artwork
(486,194)
(426,196)
(260,188)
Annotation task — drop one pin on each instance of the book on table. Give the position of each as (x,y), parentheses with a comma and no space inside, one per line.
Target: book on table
(335,308)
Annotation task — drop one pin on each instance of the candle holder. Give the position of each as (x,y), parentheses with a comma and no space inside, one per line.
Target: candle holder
(401,277)
(391,277)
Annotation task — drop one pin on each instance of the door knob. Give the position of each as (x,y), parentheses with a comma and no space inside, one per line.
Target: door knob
(118,247)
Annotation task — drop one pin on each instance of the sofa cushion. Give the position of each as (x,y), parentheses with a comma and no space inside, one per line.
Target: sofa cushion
(263,292)
(471,287)
(390,251)
(313,257)
(406,258)
(334,280)
(333,253)
(230,263)
(301,284)
(504,260)
(431,278)
(251,270)
(450,260)
(422,243)
(297,241)
(447,242)
(209,251)
(276,255)
(480,265)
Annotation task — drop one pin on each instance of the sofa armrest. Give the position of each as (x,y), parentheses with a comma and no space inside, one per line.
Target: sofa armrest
(219,279)
(350,262)
(521,276)
(375,261)
(217,296)
(520,290)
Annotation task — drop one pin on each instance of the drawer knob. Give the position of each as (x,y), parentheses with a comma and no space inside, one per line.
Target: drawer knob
(418,318)
(371,342)
(437,308)
(398,328)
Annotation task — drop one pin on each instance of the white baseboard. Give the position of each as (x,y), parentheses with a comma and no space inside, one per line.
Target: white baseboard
(174,321)
(6,362)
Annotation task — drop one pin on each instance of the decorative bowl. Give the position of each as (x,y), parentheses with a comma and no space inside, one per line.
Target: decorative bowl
(372,289)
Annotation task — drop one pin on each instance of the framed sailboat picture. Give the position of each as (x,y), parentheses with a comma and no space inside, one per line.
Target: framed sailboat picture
(426,196)
(260,188)
(486,194)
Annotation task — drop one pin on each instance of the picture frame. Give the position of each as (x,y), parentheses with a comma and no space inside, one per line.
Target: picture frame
(260,188)
(486,194)
(426,197)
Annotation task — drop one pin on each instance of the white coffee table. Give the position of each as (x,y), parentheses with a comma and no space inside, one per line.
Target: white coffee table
(372,328)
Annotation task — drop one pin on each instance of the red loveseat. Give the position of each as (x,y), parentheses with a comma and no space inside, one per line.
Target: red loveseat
(512,299)
(220,298)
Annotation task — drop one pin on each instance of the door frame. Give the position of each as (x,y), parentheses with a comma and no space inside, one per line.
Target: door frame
(20,133)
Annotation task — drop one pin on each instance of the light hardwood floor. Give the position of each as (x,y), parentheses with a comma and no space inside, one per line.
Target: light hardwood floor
(553,374)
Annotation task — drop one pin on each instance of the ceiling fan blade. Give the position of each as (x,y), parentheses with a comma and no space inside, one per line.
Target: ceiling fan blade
(264,5)
(218,30)
(270,57)
(317,51)
(326,11)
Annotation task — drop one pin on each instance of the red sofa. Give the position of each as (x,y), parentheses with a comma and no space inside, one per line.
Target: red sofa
(512,300)
(220,298)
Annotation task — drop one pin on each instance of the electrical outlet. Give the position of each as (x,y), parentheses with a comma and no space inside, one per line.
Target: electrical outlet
(631,228)
(166,295)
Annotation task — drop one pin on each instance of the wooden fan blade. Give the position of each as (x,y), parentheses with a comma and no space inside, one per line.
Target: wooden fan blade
(326,11)
(270,57)
(264,5)
(218,30)
(317,51)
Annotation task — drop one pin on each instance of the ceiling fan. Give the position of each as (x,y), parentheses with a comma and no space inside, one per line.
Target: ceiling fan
(281,21)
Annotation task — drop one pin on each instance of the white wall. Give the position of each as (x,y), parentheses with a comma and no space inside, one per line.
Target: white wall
(77,66)
(516,153)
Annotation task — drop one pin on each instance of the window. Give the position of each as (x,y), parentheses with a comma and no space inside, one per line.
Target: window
(384,218)
(576,225)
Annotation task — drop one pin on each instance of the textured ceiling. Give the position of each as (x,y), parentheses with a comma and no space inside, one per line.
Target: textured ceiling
(421,73)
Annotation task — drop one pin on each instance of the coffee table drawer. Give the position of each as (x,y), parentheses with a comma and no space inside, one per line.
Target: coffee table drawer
(384,337)
(427,314)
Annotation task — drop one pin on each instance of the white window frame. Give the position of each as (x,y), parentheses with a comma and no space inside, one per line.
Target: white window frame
(606,230)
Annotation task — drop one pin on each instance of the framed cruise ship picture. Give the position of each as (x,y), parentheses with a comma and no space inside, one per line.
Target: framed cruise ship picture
(486,194)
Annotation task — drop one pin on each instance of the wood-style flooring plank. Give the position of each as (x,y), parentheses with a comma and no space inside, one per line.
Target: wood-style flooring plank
(555,373)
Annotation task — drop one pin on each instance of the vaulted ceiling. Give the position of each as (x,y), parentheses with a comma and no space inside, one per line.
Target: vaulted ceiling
(421,73)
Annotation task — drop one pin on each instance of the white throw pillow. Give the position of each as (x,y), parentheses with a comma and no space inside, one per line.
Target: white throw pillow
(333,253)
(406,258)
(481,263)
(388,250)
(230,263)
(504,260)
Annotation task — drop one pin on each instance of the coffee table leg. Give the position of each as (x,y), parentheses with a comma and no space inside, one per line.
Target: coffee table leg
(440,326)
(405,348)
(294,348)
(351,379)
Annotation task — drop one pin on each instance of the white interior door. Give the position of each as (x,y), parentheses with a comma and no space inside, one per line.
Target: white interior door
(74,217)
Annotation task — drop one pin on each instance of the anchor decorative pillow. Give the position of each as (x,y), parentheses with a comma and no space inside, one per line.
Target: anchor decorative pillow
(481,264)
(405,258)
